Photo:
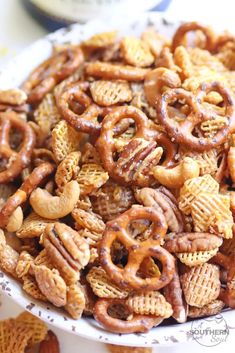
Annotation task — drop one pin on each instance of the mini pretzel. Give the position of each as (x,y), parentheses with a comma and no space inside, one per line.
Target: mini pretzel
(18,159)
(20,196)
(179,35)
(86,121)
(109,71)
(181,132)
(52,71)
(139,323)
(118,230)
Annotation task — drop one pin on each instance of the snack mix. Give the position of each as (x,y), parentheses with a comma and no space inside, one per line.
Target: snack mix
(116,180)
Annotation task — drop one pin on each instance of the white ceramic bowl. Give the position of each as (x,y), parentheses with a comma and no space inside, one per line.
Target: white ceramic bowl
(12,75)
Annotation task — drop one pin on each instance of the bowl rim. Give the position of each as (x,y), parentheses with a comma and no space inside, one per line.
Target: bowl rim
(11,76)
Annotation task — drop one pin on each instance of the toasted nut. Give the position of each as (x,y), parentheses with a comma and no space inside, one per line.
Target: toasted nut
(212,308)
(102,285)
(201,284)
(37,326)
(50,344)
(151,303)
(15,220)
(51,284)
(52,207)
(33,226)
(24,263)
(8,256)
(194,187)
(30,286)
(67,251)
(156,198)
(174,295)
(175,177)
(75,301)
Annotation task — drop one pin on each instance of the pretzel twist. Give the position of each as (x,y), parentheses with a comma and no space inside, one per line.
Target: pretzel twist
(21,158)
(139,323)
(118,230)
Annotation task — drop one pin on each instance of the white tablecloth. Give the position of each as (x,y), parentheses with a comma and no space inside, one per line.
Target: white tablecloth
(17,30)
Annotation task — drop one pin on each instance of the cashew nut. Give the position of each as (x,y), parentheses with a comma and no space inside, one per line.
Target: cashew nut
(175,177)
(15,220)
(156,80)
(52,207)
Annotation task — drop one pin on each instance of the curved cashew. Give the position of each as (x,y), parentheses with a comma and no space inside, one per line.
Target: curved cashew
(156,80)
(15,220)
(52,207)
(175,177)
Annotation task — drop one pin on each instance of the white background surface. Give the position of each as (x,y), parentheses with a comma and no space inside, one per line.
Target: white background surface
(17,30)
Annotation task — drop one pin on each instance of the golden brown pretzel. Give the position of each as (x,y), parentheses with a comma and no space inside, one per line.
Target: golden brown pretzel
(117,229)
(138,323)
(87,120)
(179,35)
(21,158)
(115,72)
(106,143)
(52,71)
(20,196)
(182,132)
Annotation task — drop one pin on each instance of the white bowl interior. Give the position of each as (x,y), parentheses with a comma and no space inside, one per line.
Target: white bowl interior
(12,75)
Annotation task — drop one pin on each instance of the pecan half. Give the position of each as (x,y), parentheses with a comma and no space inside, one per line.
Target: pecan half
(67,250)
(165,203)
(191,242)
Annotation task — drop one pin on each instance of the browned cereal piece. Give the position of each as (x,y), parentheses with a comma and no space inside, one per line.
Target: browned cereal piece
(106,93)
(38,327)
(33,226)
(151,303)
(211,212)
(102,285)
(88,220)
(64,140)
(24,264)
(14,336)
(136,52)
(91,177)
(47,115)
(51,284)
(193,187)
(91,238)
(75,301)
(67,169)
(112,200)
(100,40)
(30,286)
(201,284)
